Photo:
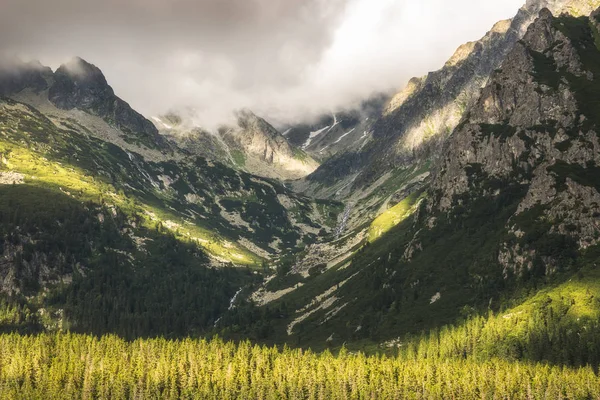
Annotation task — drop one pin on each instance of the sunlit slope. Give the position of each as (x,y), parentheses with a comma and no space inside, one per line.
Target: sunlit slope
(73,366)
(204,202)
(393,216)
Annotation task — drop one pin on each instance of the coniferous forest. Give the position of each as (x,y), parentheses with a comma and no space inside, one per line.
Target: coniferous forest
(67,366)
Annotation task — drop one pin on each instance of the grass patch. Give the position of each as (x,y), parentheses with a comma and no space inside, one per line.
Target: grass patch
(239,158)
(395,215)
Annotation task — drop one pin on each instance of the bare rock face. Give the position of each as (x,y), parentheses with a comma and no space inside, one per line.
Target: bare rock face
(257,137)
(79,84)
(535,128)
(250,144)
(418,120)
(16,75)
(267,152)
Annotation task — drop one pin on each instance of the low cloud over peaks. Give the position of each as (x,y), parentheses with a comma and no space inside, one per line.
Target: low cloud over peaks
(284,59)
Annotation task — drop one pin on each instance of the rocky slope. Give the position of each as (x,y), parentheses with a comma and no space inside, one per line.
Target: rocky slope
(79,85)
(97,214)
(501,200)
(417,120)
(98,134)
(513,203)
(342,131)
(251,144)
(535,125)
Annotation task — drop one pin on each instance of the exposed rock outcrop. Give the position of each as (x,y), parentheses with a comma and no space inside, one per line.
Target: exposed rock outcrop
(79,84)
(535,126)
(251,144)
(418,120)
(16,75)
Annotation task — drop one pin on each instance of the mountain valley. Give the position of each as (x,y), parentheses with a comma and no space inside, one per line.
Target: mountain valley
(454,223)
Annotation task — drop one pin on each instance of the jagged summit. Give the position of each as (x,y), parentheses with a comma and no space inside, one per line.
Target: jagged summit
(79,85)
(419,119)
(247,120)
(16,75)
(81,69)
(249,143)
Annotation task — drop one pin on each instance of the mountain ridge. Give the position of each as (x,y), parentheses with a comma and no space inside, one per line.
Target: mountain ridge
(511,206)
(416,123)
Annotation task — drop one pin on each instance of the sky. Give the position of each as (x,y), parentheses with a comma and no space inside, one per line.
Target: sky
(287,60)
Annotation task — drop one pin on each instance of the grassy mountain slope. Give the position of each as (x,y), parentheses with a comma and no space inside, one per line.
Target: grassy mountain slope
(207,202)
(100,240)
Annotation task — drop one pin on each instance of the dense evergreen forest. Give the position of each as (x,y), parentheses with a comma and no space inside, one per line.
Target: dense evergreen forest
(101,281)
(67,366)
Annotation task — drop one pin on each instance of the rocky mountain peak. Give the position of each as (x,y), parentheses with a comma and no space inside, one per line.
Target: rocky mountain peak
(16,75)
(80,70)
(419,119)
(80,84)
(249,121)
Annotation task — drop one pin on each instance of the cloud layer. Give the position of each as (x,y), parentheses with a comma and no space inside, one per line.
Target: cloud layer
(284,59)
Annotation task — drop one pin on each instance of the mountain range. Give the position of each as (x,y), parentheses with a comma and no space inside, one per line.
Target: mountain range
(468,200)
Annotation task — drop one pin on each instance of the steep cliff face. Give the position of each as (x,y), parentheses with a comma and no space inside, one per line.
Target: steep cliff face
(267,151)
(513,202)
(536,127)
(79,84)
(418,119)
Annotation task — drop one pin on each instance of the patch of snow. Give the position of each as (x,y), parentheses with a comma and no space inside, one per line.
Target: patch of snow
(344,135)
(364,135)
(313,135)
(160,121)
(286,132)
(335,122)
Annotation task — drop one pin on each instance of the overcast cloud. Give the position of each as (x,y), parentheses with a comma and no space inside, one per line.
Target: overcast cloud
(284,59)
